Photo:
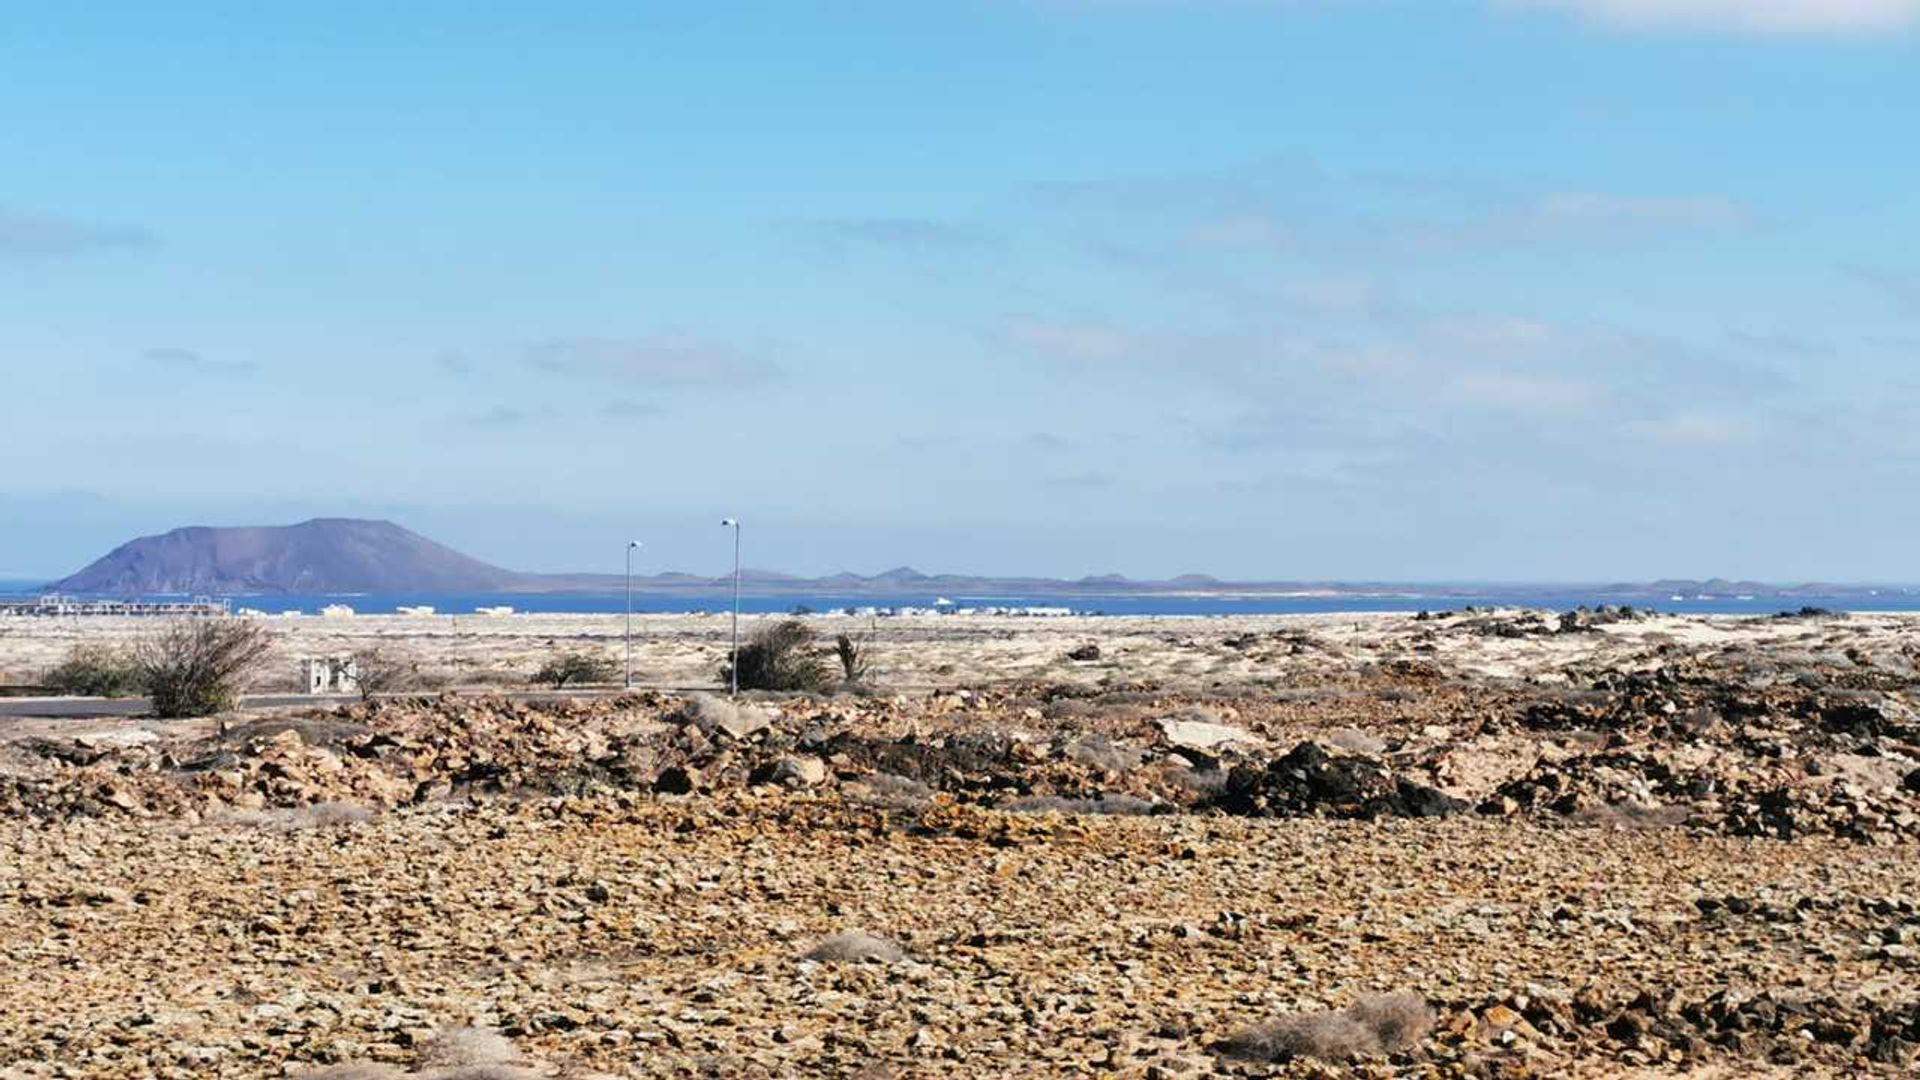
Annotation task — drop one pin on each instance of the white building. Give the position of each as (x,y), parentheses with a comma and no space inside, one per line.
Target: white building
(331,675)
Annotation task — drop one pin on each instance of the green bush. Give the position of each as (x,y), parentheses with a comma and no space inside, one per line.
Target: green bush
(576,668)
(95,671)
(781,657)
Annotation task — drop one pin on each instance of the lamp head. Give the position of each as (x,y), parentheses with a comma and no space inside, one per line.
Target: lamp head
(735,522)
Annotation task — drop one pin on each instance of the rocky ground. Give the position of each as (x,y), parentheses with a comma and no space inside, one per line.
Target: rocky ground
(1476,844)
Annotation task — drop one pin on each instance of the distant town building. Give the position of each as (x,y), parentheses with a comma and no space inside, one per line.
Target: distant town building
(331,675)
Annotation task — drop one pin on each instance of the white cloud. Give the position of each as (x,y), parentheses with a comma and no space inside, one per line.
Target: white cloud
(1250,231)
(1694,429)
(1085,343)
(26,235)
(1739,16)
(1678,211)
(194,363)
(667,361)
(916,234)
(1524,392)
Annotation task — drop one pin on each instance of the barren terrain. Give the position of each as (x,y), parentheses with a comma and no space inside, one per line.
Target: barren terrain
(1602,846)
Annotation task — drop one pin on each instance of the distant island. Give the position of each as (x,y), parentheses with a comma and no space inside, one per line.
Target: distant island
(348,555)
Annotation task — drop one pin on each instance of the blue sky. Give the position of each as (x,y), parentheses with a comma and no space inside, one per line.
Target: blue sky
(1475,289)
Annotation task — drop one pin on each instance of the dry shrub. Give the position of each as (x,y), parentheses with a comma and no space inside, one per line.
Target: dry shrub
(576,669)
(711,713)
(1115,805)
(381,671)
(1632,816)
(1103,753)
(198,667)
(1374,1025)
(891,792)
(458,1047)
(856,946)
(95,671)
(1355,741)
(320,815)
(856,659)
(780,657)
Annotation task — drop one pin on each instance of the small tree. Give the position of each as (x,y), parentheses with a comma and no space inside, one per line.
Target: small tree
(197,667)
(95,671)
(780,657)
(855,658)
(379,671)
(575,668)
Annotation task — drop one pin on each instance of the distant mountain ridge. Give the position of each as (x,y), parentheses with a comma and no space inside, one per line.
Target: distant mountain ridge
(322,555)
(348,555)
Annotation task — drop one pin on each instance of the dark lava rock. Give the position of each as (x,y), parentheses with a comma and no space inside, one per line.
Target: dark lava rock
(1085,653)
(1310,781)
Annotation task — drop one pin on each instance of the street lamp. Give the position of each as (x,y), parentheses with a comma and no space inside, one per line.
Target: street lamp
(733,665)
(632,546)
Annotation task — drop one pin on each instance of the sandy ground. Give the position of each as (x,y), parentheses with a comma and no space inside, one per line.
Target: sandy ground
(1672,846)
(934,651)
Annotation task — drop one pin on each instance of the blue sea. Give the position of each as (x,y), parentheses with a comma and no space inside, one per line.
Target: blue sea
(1559,599)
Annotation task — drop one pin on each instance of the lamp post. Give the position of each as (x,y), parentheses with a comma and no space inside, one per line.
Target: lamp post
(632,546)
(733,664)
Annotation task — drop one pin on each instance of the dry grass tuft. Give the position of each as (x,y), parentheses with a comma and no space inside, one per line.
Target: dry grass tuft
(1113,805)
(1374,1025)
(856,946)
(1398,1020)
(321,815)
(1355,741)
(464,1047)
(889,791)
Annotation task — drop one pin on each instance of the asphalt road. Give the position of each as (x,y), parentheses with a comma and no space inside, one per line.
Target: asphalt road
(95,708)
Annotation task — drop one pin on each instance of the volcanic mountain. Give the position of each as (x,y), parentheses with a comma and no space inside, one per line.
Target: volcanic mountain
(325,555)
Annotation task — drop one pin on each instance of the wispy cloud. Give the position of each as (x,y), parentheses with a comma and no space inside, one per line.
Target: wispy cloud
(24,234)
(662,361)
(1902,289)
(628,409)
(187,361)
(1084,481)
(1593,219)
(1525,392)
(1791,346)
(1779,17)
(909,233)
(505,416)
(453,363)
(1694,429)
(1076,342)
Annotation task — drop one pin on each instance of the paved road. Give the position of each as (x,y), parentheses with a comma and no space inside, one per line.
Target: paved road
(94,708)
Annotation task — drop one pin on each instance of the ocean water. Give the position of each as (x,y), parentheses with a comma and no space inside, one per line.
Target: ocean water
(614,603)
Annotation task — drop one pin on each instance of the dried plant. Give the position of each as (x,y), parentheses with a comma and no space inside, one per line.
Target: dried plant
(1374,1025)
(781,657)
(856,658)
(855,946)
(95,671)
(577,668)
(198,667)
